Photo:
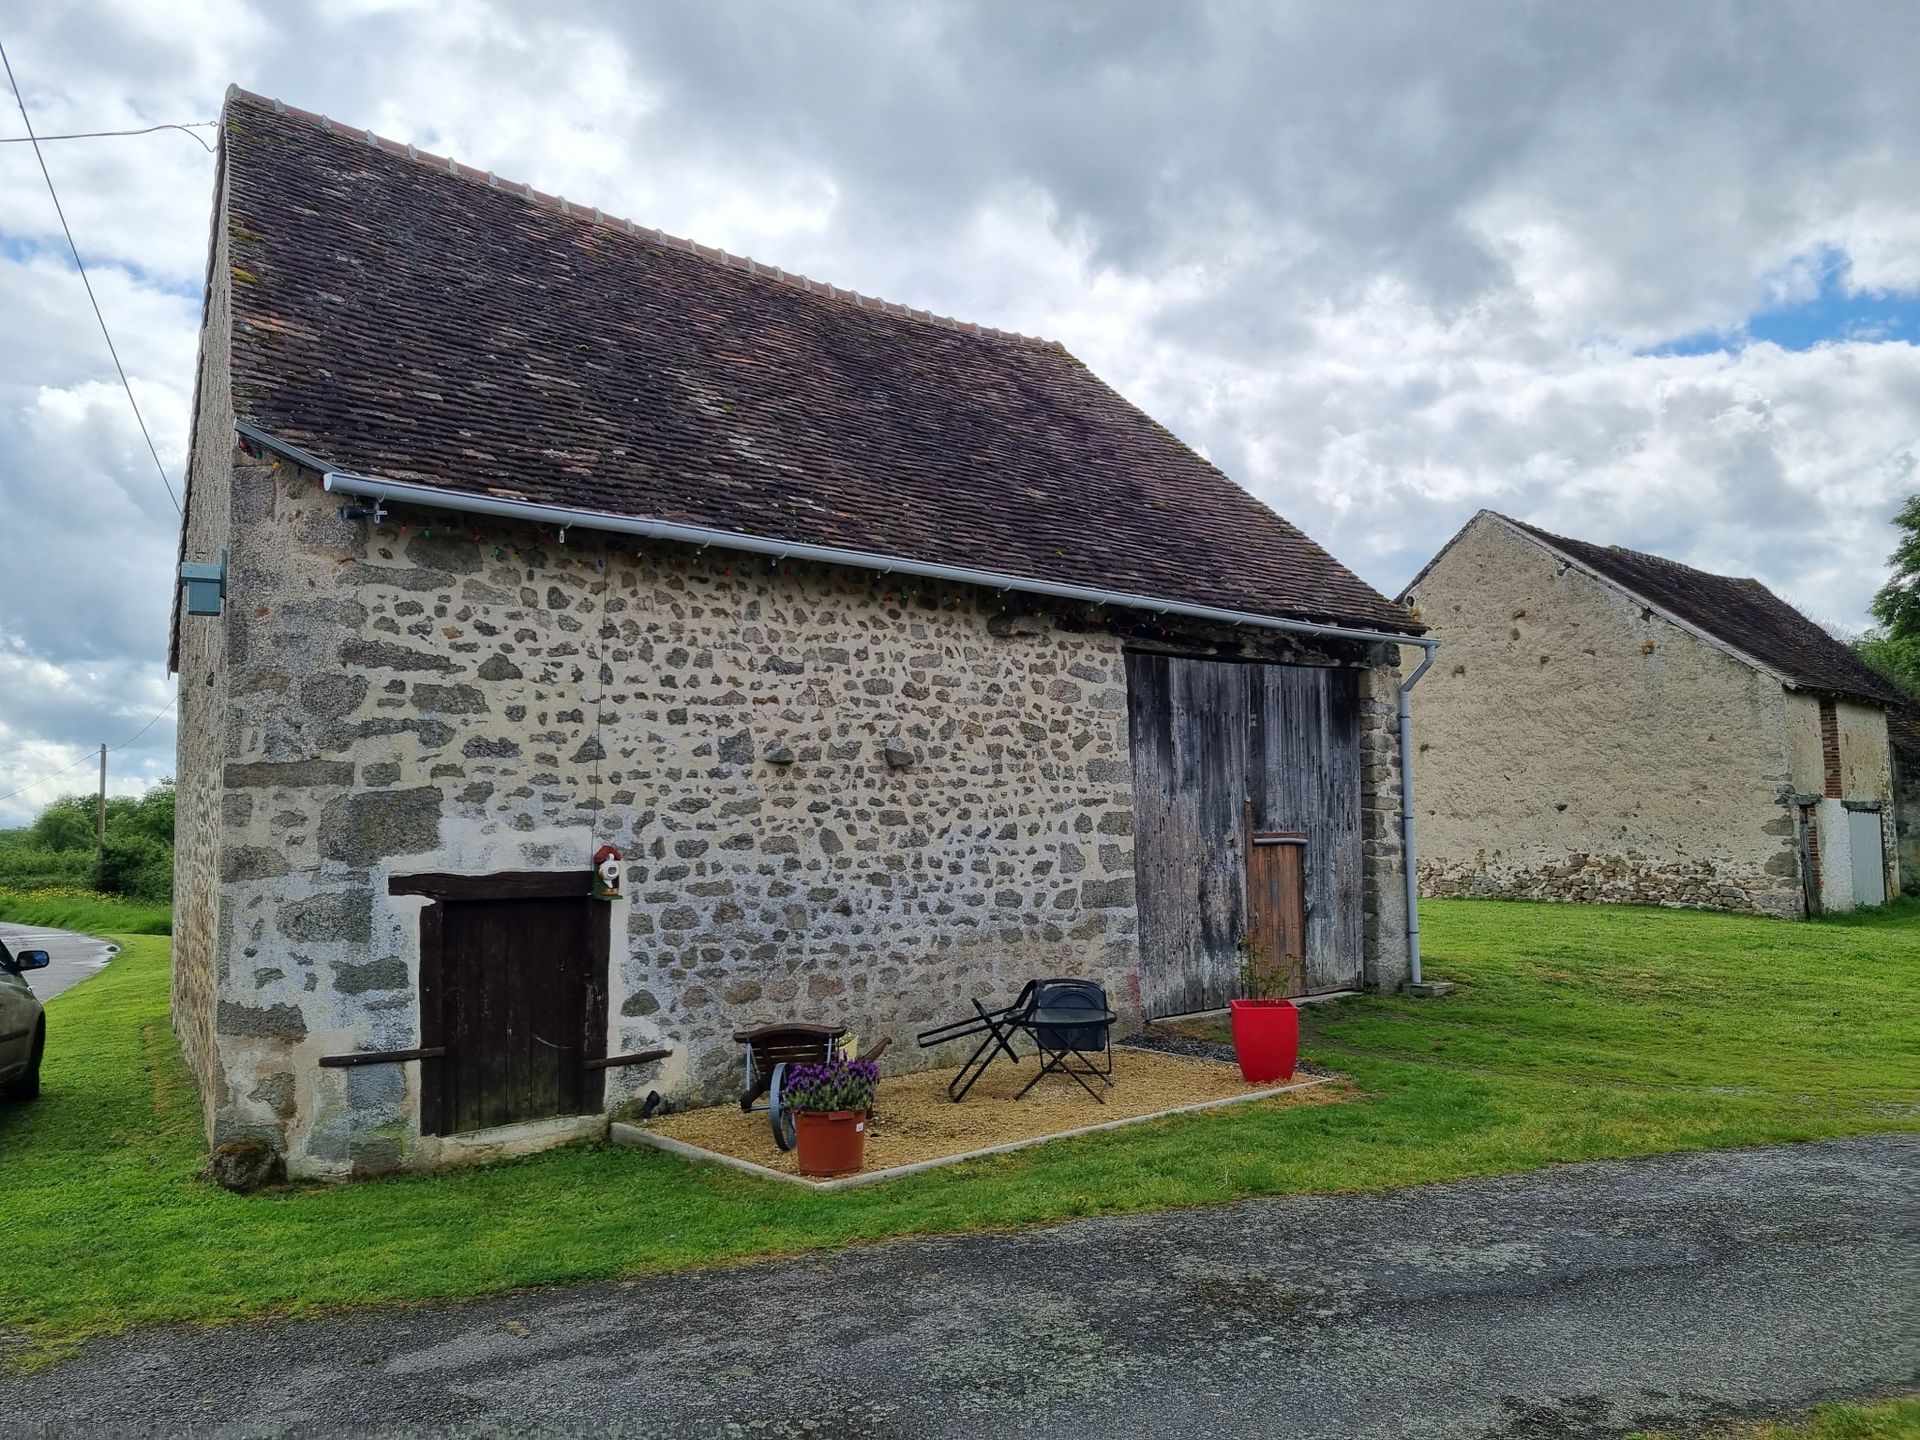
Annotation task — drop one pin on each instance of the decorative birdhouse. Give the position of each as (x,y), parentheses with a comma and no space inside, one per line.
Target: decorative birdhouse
(606,873)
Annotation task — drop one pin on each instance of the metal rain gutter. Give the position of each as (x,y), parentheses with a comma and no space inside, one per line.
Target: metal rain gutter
(411,493)
(432,497)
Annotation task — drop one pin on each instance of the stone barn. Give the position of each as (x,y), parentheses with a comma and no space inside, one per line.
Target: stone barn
(900,660)
(1605,725)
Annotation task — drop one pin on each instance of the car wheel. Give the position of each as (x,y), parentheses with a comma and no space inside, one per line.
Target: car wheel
(26,1085)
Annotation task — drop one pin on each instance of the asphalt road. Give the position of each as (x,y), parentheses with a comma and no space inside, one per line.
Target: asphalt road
(75,957)
(1582,1300)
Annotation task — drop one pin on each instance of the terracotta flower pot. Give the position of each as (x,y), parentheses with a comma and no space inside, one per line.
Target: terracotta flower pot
(832,1142)
(1266,1039)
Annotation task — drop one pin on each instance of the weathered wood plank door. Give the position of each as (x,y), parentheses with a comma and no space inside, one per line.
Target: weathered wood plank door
(1276,912)
(513,985)
(1189,745)
(1221,751)
(1303,764)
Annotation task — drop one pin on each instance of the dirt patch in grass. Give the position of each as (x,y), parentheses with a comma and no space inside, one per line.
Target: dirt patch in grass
(914,1120)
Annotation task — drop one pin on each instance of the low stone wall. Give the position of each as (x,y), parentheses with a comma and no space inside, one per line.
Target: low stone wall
(1628,879)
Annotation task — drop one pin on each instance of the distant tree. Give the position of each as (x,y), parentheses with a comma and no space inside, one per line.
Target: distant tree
(1897,605)
(1897,660)
(58,847)
(66,824)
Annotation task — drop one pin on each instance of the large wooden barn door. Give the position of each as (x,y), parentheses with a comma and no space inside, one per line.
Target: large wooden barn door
(1221,752)
(513,986)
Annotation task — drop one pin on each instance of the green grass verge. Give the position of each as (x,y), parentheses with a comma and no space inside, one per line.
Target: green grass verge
(1887,1420)
(1576,1034)
(88,911)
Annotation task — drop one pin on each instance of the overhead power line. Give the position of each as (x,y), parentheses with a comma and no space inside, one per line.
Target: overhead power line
(186,130)
(59,210)
(88,757)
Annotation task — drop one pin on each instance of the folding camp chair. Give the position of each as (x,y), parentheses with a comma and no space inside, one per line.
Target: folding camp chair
(995,1026)
(1073,1030)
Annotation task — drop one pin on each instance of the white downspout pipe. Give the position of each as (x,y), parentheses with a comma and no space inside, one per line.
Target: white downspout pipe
(1406,805)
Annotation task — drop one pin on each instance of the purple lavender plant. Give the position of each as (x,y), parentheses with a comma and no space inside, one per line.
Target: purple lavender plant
(836,1085)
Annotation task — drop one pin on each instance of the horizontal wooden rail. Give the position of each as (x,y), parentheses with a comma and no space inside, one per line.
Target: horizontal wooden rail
(639,1057)
(382,1057)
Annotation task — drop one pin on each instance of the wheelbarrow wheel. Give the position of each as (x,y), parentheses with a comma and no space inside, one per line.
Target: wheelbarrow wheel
(785,1132)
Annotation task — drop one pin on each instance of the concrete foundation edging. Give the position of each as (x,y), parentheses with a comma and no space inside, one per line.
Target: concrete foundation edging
(622,1133)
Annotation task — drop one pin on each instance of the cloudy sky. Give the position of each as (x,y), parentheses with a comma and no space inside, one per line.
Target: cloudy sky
(1643,273)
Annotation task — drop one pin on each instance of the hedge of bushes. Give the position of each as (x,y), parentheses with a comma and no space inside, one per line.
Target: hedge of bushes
(57,850)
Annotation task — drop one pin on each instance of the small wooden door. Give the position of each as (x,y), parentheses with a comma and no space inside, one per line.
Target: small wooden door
(513,985)
(1276,912)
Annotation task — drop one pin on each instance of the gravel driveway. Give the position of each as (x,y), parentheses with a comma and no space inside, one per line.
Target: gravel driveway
(1581,1300)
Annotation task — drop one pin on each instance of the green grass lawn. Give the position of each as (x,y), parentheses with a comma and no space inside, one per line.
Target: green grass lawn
(1576,1033)
(88,911)
(1887,1420)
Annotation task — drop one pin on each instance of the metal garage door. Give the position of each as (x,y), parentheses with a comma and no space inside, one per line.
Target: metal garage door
(1869,860)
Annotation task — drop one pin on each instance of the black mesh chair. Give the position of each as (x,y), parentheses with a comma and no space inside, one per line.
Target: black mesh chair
(1072,1026)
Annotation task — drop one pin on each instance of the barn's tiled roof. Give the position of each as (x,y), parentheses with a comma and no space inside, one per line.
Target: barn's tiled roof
(1740,613)
(403,316)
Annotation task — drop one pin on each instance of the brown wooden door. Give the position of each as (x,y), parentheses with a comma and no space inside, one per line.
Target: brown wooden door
(1276,912)
(513,982)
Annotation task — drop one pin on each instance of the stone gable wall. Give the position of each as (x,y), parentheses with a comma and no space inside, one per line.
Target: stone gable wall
(201,662)
(1571,745)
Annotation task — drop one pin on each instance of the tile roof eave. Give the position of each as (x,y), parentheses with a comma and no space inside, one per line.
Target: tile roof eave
(1707,637)
(434,496)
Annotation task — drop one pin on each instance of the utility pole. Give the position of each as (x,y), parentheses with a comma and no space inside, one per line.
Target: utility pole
(100,826)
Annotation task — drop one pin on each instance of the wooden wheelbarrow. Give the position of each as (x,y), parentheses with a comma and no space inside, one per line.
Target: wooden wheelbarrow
(770,1049)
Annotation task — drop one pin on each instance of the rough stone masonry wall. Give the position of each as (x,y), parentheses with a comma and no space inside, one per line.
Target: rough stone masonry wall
(201,662)
(1383,893)
(1906,809)
(1573,746)
(839,801)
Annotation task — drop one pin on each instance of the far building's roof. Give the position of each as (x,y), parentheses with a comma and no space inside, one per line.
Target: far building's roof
(1741,614)
(399,315)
